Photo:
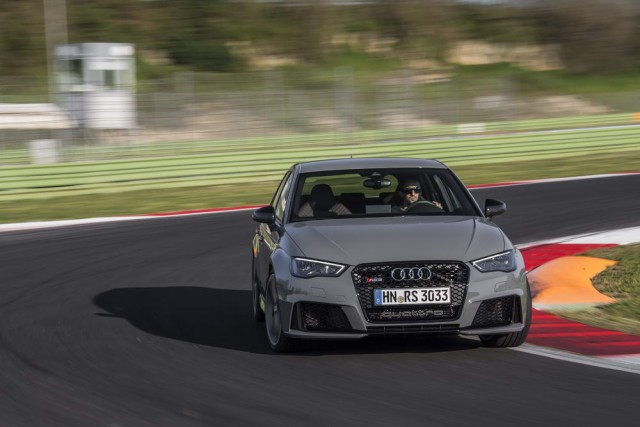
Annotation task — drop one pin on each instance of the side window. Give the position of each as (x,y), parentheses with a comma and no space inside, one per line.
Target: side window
(282,199)
(276,195)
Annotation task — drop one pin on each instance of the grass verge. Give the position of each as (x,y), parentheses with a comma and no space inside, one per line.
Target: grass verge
(202,197)
(620,281)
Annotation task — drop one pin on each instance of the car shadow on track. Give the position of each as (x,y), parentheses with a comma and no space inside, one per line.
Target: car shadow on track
(222,318)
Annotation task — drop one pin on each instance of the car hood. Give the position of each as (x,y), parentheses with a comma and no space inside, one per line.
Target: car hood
(410,238)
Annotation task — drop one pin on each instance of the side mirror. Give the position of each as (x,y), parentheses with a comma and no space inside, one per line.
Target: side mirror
(265,214)
(494,207)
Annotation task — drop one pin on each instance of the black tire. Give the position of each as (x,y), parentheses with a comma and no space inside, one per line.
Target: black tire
(513,339)
(278,341)
(258,314)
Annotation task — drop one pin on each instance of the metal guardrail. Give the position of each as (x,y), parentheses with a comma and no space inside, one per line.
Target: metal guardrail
(73,153)
(254,160)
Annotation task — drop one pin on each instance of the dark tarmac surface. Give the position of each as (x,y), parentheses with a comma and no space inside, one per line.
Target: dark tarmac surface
(148,323)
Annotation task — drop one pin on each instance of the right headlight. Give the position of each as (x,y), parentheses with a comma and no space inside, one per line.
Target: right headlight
(504,261)
(305,268)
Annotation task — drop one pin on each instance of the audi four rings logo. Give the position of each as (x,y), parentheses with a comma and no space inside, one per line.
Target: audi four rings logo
(410,273)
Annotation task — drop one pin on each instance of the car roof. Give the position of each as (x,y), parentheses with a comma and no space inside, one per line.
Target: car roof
(368,163)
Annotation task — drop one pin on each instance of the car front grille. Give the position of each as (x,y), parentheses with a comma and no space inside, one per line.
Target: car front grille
(494,312)
(368,277)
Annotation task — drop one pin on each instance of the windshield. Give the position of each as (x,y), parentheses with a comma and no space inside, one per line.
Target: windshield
(368,192)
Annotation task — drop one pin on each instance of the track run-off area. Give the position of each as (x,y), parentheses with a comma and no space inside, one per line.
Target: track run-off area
(148,323)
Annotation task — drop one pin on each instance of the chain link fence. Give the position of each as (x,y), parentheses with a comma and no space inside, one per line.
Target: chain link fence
(196,108)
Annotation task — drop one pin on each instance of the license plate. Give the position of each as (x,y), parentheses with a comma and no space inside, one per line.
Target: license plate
(416,296)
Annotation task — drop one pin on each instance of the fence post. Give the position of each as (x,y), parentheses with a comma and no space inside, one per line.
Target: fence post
(43,151)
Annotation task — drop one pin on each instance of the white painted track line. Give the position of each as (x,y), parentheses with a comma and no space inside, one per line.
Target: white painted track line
(616,363)
(623,236)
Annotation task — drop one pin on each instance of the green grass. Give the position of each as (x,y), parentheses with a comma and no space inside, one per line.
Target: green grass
(559,81)
(621,282)
(208,196)
(136,202)
(550,168)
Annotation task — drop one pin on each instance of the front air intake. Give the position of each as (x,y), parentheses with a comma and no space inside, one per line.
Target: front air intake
(495,312)
(318,317)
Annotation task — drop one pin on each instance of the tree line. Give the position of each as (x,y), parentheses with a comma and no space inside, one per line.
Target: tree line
(593,36)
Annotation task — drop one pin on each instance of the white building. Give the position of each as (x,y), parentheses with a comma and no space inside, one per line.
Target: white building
(96,84)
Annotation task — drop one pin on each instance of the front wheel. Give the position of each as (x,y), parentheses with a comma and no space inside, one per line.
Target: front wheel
(278,341)
(513,339)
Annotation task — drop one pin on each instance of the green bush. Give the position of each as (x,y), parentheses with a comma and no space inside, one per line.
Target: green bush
(203,54)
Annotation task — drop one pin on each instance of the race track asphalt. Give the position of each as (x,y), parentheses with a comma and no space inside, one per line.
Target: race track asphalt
(147,323)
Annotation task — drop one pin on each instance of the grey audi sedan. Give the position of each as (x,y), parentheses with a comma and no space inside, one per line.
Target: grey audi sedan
(356,247)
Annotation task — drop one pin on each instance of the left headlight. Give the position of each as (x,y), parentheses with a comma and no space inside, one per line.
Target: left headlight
(305,268)
(504,261)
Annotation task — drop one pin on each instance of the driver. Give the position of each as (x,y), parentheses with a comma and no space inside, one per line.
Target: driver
(409,194)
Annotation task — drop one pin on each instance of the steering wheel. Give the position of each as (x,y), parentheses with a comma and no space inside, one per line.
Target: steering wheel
(423,206)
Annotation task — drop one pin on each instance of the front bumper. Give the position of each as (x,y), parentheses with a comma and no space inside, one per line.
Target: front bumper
(329,308)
